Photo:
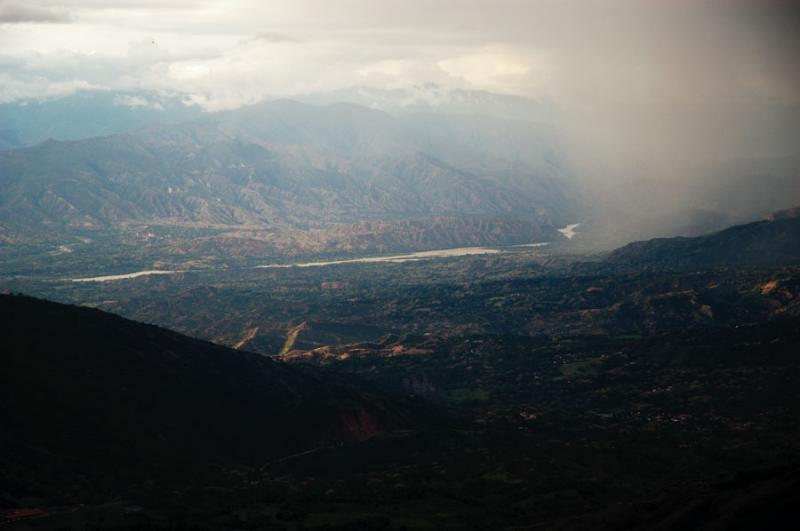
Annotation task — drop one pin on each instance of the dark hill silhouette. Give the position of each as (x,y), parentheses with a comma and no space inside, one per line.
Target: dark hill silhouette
(762,243)
(87,394)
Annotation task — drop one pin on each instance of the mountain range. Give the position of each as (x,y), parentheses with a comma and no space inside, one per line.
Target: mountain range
(357,171)
(87,114)
(283,169)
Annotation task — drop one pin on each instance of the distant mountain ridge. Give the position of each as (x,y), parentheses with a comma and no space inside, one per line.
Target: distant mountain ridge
(287,177)
(87,114)
(431,97)
(775,241)
(275,167)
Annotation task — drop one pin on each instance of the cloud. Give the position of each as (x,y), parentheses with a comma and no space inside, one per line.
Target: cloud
(274,36)
(14,13)
(658,85)
(128,100)
(581,54)
(495,69)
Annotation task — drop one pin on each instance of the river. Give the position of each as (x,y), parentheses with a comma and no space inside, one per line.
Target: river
(568,231)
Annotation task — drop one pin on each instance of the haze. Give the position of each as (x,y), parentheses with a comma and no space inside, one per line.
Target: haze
(658,91)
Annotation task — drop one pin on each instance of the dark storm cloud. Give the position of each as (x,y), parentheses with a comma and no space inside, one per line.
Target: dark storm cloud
(18,13)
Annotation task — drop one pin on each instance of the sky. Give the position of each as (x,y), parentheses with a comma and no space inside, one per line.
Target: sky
(616,69)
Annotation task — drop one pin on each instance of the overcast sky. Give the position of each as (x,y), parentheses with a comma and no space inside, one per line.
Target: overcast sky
(679,65)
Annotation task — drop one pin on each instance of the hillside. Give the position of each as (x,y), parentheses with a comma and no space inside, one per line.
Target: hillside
(672,431)
(90,395)
(285,176)
(762,243)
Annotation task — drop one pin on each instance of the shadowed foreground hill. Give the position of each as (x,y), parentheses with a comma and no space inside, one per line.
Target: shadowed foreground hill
(86,394)
(104,421)
(763,243)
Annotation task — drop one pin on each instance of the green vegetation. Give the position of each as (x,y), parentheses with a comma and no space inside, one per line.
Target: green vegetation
(568,393)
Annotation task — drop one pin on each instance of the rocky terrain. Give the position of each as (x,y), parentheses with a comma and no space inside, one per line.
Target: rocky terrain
(282,177)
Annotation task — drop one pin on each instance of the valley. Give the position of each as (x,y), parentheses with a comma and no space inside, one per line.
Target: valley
(616,395)
(399,265)
(408,308)
(493,387)
(395,258)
